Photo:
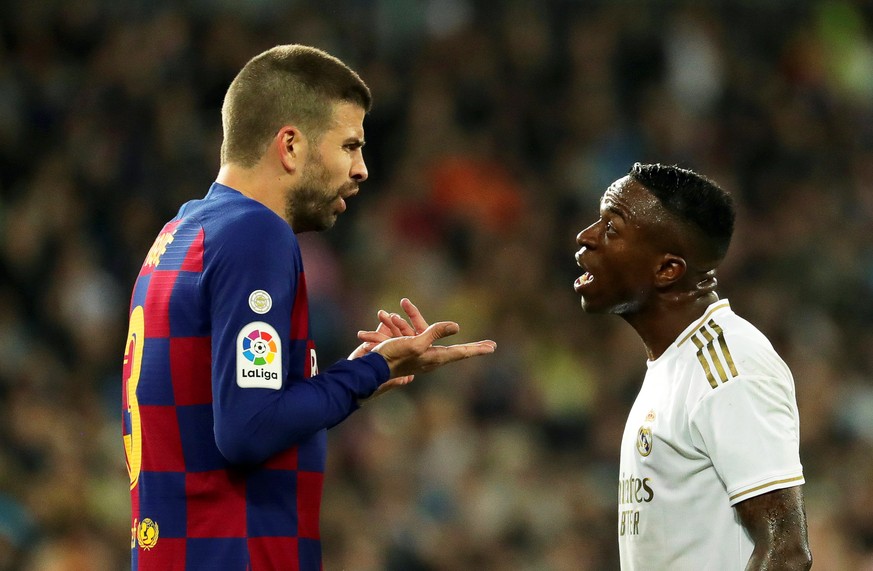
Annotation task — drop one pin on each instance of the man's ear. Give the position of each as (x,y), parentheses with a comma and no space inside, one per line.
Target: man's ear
(290,147)
(670,270)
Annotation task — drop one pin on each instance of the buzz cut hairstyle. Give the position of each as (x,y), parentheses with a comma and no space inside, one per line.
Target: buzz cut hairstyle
(695,200)
(285,85)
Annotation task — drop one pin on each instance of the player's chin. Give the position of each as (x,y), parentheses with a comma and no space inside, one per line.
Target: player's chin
(590,305)
(329,219)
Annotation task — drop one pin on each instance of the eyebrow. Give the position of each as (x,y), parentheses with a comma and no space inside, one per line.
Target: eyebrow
(612,208)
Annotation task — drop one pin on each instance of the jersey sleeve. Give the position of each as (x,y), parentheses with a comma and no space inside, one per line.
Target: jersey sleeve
(749,426)
(263,403)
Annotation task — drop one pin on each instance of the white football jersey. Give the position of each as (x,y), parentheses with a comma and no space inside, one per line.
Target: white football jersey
(715,423)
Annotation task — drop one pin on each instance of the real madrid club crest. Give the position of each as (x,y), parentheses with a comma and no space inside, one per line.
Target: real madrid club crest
(147,534)
(645,441)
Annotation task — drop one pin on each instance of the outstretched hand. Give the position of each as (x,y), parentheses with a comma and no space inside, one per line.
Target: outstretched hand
(409,355)
(408,346)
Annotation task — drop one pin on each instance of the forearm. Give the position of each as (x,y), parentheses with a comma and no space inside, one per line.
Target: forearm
(254,424)
(776,521)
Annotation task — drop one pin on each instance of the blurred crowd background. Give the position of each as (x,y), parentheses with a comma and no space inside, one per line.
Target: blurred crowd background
(496,127)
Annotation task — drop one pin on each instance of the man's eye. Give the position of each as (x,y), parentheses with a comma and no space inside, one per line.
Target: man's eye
(609,226)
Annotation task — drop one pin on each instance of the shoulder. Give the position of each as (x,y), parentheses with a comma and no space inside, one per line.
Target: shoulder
(724,346)
(233,222)
(745,347)
(242,235)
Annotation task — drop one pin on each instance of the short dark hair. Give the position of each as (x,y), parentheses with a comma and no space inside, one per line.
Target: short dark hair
(290,84)
(695,200)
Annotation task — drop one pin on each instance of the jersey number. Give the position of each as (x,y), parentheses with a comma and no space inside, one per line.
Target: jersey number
(132,367)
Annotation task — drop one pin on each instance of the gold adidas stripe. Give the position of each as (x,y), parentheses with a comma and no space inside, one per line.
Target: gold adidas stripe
(724,348)
(703,362)
(716,307)
(703,338)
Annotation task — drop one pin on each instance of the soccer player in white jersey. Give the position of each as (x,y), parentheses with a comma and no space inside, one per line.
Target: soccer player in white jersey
(710,475)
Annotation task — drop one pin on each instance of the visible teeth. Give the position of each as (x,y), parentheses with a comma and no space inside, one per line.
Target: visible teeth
(586,278)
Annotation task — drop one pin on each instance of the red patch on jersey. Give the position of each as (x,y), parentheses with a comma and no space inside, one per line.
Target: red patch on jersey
(193,261)
(161,441)
(191,359)
(157,303)
(216,504)
(300,311)
(309,489)
(269,553)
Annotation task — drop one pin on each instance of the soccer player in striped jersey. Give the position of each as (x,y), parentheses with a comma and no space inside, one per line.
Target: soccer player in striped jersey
(225,410)
(710,474)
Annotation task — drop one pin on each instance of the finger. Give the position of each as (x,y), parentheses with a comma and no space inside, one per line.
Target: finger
(383,329)
(476,347)
(415,317)
(386,320)
(372,336)
(438,331)
(362,350)
(441,355)
(401,324)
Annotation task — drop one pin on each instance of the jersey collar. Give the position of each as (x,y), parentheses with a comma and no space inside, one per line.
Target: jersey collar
(713,308)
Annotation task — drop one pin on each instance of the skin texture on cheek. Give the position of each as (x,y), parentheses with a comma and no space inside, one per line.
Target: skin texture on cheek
(310,203)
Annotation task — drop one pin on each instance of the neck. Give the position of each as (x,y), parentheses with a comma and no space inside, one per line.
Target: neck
(659,325)
(255,183)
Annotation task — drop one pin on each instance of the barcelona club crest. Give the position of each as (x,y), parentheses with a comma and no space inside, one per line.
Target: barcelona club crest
(644,441)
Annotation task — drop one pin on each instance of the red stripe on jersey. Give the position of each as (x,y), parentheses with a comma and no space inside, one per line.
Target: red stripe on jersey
(309,488)
(170,226)
(166,554)
(286,460)
(159,245)
(193,261)
(161,441)
(216,504)
(134,511)
(191,362)
(145,270)
(270,553)
(300,311)
(157,304)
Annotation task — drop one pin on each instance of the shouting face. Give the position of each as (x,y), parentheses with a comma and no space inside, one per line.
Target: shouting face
(331,174)
(620,253)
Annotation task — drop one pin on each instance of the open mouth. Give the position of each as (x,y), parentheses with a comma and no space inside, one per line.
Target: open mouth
(586,278)
(583,281)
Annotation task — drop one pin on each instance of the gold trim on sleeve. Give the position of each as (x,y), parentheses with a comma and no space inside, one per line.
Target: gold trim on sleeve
(773,483)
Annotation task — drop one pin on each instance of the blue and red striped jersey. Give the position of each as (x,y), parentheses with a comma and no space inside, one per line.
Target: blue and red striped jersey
(224,409)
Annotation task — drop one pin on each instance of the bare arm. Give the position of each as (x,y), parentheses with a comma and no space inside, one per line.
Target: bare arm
(777,523)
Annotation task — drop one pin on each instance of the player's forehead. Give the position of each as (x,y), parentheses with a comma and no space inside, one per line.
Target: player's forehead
(630,199)
(348,121)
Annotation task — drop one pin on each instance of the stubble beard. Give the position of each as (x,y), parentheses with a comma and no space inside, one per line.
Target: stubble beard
(309,205)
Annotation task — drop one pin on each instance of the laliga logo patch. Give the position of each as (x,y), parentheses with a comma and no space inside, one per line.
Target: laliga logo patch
(259,347)
(259,357)
(260,301)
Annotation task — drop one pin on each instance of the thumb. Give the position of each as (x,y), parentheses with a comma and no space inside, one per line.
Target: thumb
(440,330)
